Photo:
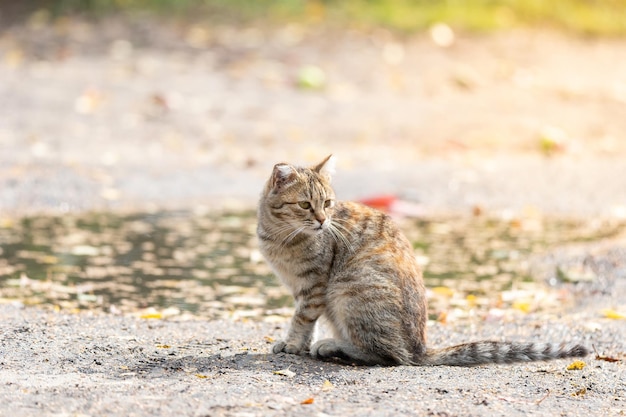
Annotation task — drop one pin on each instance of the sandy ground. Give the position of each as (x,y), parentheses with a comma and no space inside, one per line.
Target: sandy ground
(144,116)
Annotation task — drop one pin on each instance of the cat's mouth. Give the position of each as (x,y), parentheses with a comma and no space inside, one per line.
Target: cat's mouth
(316,229)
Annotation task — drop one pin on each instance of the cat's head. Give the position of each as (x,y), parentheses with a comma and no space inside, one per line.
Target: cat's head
(301,198)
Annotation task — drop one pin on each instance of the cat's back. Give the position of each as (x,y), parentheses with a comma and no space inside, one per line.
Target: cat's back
(370,227)
(374,238)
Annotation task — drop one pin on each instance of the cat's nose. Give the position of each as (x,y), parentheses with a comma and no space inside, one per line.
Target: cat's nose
(320,218)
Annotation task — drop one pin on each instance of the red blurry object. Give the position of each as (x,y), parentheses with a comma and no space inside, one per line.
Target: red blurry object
(380,202)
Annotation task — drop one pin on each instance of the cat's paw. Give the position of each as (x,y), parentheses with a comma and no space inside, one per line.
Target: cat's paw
(283,346)
(324,349)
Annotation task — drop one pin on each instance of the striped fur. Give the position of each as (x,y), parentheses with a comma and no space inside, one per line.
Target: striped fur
(352,266)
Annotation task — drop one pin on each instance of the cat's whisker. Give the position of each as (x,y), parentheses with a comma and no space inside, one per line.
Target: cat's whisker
(335,232)
(344,225)
(292,235)
(277,234)
(332,234)
(343,228)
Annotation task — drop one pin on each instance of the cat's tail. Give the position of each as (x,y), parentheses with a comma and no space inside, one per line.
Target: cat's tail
(477,353)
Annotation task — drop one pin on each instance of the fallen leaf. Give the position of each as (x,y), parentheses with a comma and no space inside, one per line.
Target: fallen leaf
(580,392)
(472,300)
(311,77)
(522,306)
(552,140)
(163,346)
(285,372)
(49,259)
(604,358)
(200,376)
(308,401)
(576,366)
(269,339)
(448,292)
(609,313)
(607,359)
(327,385)
(151,316)
(442,317)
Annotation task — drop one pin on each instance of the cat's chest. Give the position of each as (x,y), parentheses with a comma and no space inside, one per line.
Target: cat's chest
(284,268)
(290,270)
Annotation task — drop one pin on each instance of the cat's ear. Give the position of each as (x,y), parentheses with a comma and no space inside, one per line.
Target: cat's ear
(326,168)
(283,176)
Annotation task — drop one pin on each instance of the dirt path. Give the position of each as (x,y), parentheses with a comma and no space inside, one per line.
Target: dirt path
(57,364)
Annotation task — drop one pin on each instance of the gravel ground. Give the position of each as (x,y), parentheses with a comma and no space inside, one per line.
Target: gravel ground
(58,364)
(147,116)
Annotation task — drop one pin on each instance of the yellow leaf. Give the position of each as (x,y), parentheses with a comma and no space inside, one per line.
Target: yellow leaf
(472,300)
(151,316)
(269,339)
(49,259)
(448,292)
(523,306)
(327,385)
(163,346)
(201,376)
(443,317)
(576,366)
(612,314)
(285,372)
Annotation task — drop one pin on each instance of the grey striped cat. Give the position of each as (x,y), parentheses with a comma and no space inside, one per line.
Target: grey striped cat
(351,265)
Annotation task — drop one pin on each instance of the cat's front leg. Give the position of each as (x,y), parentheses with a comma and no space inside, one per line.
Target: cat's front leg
(300,332)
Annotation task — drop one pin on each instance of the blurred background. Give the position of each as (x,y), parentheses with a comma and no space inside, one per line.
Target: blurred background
(136,135)
(447,104)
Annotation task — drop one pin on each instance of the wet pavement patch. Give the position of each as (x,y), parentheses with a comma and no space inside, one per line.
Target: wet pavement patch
(174,263)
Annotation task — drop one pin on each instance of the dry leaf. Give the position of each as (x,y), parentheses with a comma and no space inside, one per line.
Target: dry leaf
(442,317)
(607,359)
(472,300)
(448,292)
(151,316)
(285,372)
(163,346)
(522,306)
(609,313)
(576,366)
(604,358)
(327,385)
(200,376)
(308,401)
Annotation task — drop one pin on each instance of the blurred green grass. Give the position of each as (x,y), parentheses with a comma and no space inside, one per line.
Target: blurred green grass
(588,17)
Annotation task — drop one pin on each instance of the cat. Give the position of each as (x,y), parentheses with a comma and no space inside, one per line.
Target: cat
(350,264)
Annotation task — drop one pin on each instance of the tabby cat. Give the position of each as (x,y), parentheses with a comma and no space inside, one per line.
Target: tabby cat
(351,265)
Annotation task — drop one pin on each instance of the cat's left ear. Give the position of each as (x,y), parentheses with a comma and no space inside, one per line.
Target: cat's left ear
(283,176)
(326,168)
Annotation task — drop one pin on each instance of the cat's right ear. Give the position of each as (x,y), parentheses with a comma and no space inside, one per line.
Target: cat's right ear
(283,176)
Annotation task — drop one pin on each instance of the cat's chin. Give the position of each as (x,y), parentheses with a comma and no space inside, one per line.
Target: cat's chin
(314,231)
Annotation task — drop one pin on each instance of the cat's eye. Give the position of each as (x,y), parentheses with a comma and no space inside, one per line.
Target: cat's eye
(304,204)
(328,203)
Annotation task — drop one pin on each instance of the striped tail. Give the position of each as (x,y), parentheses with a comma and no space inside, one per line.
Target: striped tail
(477,353)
